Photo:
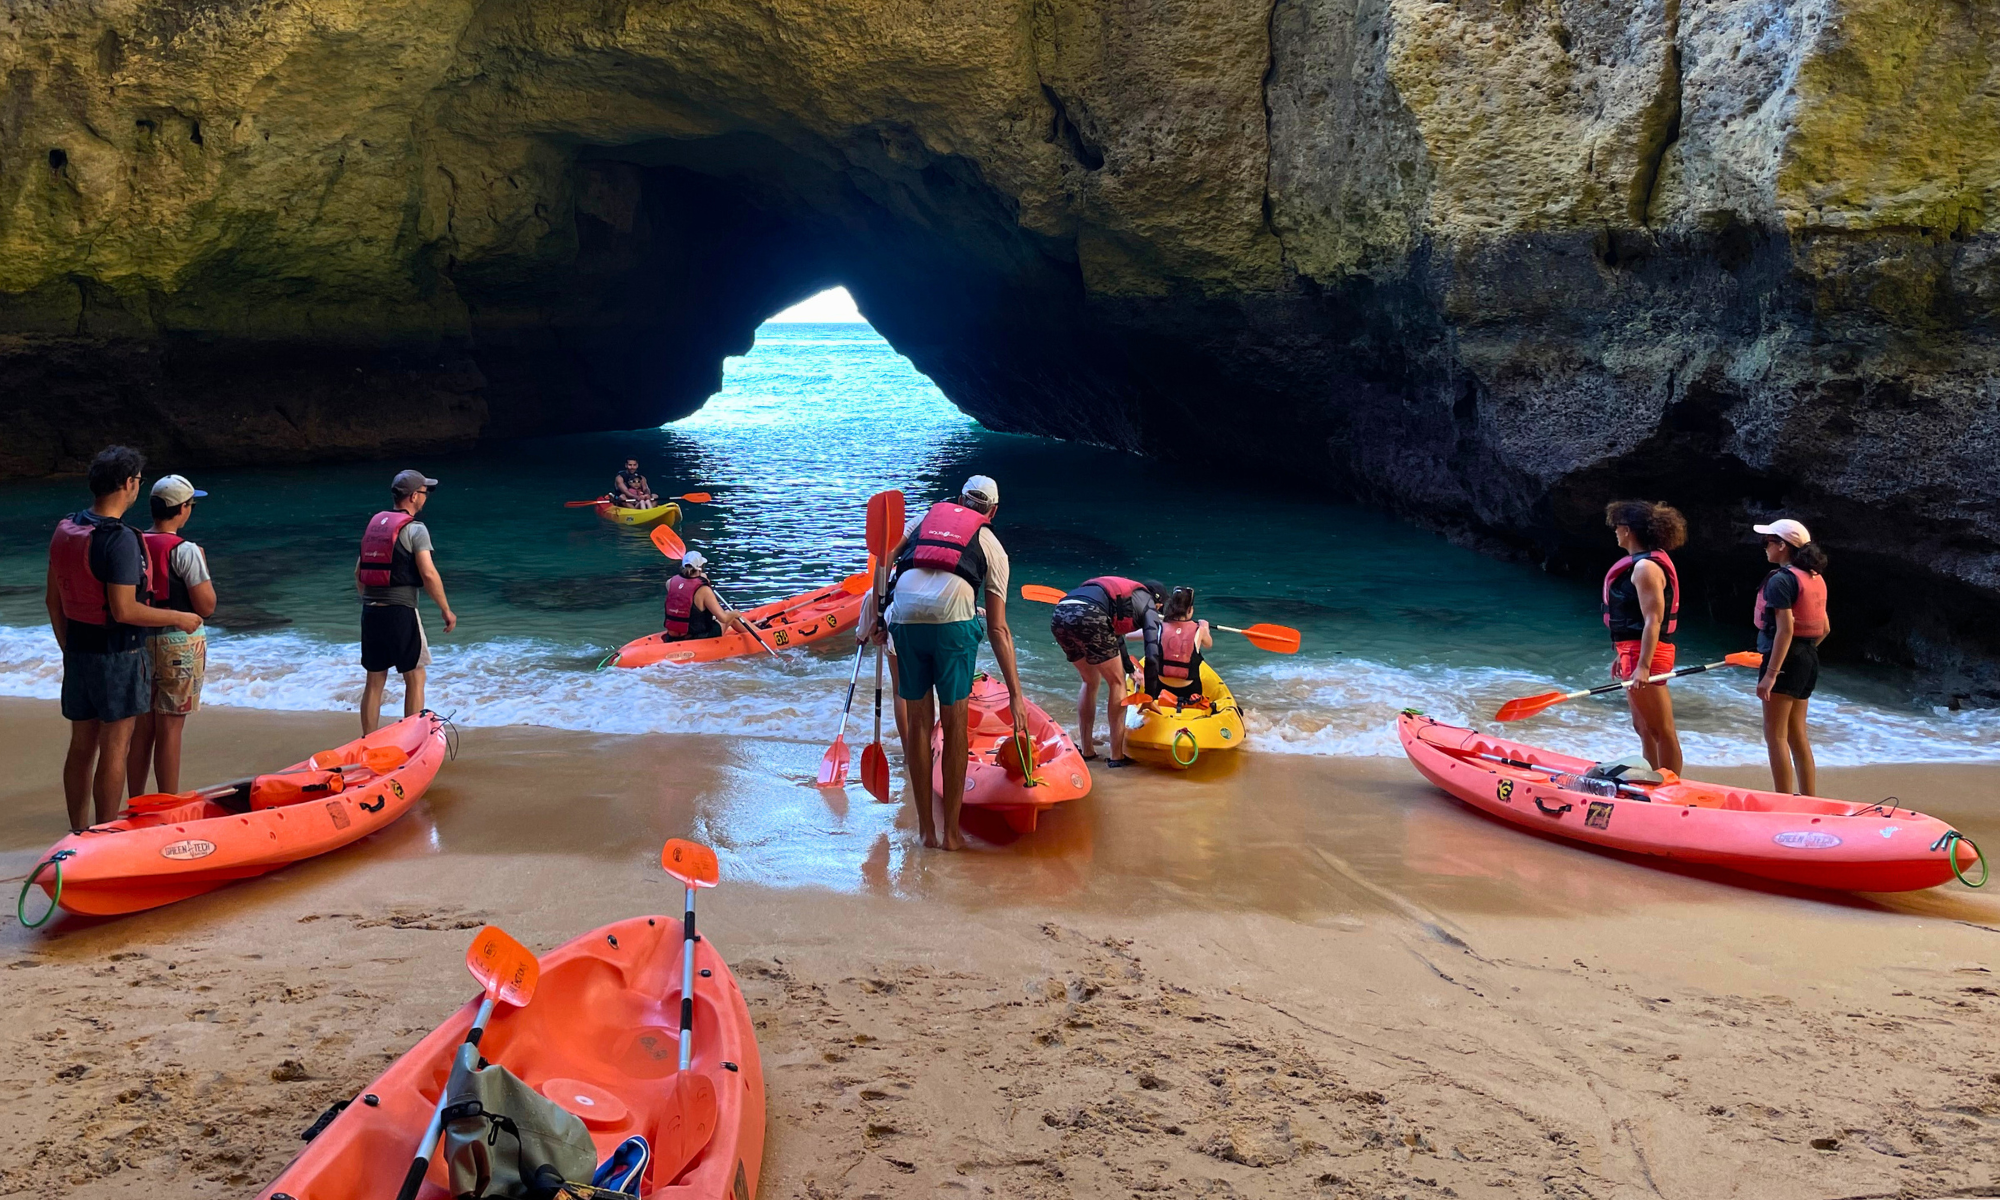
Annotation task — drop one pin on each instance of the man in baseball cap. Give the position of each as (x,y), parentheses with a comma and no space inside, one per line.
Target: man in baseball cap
(395,568)
(693,609)
(175,490)
(410,482)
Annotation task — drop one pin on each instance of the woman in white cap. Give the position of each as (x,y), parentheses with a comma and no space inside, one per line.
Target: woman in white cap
(181,582)
(693,610)
(1791,623)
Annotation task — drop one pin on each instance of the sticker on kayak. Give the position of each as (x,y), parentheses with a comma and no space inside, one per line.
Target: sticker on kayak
(1598,816)
(339,814)
(1075,780)
(185,850)
(1806,839)
(1505,791)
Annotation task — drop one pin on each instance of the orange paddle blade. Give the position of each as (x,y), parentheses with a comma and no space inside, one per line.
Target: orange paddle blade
(885,523)
(154,801)
(1279,639)
(833,764)
(854,585)
(1136,698)
(696,497)
(875,771)
(1044,595)
(1528,706)
(582,503)
(669,543)
(690,862)
(1744,658)
(504,967)
(685,1127)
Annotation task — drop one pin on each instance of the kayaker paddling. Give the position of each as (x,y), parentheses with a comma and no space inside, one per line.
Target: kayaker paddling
(394,568)
(1642,599)
(1790,616)
(693,610)
(629,488)
(1090,624)
(947,562)
(180,659)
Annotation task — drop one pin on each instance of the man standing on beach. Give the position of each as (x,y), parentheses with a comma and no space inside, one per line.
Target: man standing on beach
(949,560)
(395,565)
(97,574)
(180,660)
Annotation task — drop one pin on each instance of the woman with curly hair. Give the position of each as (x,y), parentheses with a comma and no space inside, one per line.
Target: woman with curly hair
(1642,603)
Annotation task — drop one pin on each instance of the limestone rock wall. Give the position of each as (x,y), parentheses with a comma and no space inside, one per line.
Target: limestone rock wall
(1484,261)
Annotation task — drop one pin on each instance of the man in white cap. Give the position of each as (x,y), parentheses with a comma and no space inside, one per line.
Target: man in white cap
(180,581)
(948,563)
(395,566)
(693,609)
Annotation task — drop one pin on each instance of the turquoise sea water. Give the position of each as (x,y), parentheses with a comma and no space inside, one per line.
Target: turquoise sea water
(808,424)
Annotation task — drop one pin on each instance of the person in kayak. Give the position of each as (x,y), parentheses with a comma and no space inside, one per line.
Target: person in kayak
(629,489)
(948,561)
(693,610)
(1091,624)
(1790,616)
(1642,602)
(95,596)
(394,568)
(181,582)
(1173,651)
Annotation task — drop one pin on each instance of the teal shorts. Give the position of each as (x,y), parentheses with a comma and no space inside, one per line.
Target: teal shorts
(937,656)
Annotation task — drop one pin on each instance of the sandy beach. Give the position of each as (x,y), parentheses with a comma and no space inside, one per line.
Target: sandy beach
(1278,976)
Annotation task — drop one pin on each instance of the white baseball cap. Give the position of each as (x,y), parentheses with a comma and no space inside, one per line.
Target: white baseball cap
(175,490)
(1788,529)
(981,487)
(693,558)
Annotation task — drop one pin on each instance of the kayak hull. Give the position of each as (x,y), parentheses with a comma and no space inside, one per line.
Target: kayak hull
(670,513)
(1059,768)
(605,1015)
(144,860)
(1794,839)
(1178,737)
(797,621)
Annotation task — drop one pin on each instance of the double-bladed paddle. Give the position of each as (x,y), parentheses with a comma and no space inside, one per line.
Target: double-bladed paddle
(690,1119)
(833,764)
(1279,639)
(691,498)
(667,542)
(874,760)
(508,973)
(1528,706)
(886,519)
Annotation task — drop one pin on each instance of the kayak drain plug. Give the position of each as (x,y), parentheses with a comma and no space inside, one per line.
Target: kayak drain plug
(371,1099)
(727,1066)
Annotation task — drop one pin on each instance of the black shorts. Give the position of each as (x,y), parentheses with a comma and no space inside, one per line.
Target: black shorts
(392,639)
(107,687)
(1084,631)
(1799,674)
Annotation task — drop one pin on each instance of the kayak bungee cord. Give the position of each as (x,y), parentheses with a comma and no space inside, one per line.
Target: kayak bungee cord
(1949,844)
(55,901)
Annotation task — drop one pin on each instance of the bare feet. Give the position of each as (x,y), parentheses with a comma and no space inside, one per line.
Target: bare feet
(953,840)
(930,838)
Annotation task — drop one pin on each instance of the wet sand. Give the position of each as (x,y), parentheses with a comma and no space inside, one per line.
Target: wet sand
(1276,976)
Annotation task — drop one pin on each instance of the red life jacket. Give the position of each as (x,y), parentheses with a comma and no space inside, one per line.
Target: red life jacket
(1622,615)
(168,591)
(948,540)
(82,592)
(1808,611)
(1180,659)
(383,564)
(682,618)
(1114,594)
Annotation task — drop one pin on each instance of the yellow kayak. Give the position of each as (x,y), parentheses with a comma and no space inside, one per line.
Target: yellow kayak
(668,512)
(1181,735)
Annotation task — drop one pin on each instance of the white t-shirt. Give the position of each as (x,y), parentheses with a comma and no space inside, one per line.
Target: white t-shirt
(927,597)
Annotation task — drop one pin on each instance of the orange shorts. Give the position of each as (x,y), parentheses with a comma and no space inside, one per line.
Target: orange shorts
(1628,657)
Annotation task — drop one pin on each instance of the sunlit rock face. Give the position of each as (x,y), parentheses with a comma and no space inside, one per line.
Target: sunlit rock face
(1488,263)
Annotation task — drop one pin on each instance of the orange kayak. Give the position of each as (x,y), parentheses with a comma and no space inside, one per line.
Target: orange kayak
(600,1037)
(1060,772)
(1798,839)
(806,617)
(157,856)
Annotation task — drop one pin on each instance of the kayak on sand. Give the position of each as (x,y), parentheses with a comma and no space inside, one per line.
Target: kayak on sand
(804,618)
(668,512)
(1181,734)
(1797,839)
(1060,773)
(600,1037)
(169,847)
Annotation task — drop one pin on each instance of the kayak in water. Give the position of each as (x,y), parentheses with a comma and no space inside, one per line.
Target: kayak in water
(1179,734)
(668,512)
(993,779)
(600,1038)
(1797,839)
(797,621)
(167,847)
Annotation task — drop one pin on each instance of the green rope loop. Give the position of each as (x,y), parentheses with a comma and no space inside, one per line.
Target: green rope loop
(1949,844)
(21,901)
(1194,747)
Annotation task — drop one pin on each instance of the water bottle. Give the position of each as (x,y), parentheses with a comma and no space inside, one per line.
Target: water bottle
(1587,784)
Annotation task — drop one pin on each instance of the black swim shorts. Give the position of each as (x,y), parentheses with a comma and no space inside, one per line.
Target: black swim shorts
(1798,675)
(1084,631)
(392,638)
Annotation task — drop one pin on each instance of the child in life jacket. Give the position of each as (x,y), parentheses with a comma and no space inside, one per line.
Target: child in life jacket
(1174,643)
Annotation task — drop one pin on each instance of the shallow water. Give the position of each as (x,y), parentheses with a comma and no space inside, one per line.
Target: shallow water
(810,423)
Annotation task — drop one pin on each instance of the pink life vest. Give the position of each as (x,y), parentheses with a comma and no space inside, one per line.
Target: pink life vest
(1180,660)
(1622,615)
(82,592)
(379,560)
(167,591)
(681,593)
(948,540)
(1808,611)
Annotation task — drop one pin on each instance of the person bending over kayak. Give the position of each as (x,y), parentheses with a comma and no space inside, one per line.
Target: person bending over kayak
(1642,604)
(1090,624)
(1791,623)
(948,560)
(1173,651)
(693,610)
(180,582)
(394,568)
(629,489)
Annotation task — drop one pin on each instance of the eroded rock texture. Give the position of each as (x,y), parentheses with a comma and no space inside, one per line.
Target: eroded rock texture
(1488,262)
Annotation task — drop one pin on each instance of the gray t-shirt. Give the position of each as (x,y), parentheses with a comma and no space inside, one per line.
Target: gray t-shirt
(413,538)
